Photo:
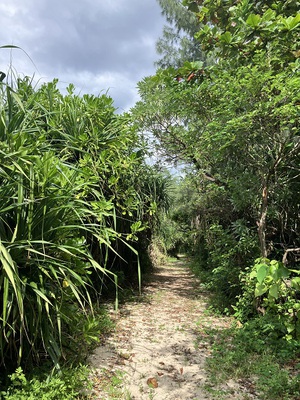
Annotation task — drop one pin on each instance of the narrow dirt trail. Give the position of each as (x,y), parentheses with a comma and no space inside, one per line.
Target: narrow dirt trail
(154,341)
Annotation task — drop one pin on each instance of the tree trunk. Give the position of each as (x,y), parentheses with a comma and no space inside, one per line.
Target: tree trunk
(262,223)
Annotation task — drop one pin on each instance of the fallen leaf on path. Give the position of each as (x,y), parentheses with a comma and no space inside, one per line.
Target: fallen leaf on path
(152,382)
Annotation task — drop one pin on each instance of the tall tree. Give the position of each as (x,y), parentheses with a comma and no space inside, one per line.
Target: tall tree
(262,35)
(237,123)
(178,43)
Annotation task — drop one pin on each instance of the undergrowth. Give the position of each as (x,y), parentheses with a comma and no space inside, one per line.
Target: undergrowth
(71,379)
(69,384)
(266,367)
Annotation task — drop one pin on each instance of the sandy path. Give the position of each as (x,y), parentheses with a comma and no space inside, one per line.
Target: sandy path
(154,341)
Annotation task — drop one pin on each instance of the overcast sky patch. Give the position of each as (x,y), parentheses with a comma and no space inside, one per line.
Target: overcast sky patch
(96,45)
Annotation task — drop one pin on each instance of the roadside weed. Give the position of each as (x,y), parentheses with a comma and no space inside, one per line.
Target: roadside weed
(68,385)
(265,368)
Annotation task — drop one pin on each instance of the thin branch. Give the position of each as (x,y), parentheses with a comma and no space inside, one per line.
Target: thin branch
(284,258)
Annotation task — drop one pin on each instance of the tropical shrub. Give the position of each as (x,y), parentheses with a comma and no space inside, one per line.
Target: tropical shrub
(72,384)
(273,290)
(45,259)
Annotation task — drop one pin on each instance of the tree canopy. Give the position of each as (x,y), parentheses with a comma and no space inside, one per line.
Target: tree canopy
(178,43)
(236,123)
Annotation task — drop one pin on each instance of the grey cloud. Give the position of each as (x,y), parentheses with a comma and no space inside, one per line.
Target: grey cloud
(70,39)
(94,37)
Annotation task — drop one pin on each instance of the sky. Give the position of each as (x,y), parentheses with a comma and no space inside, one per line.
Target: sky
(98,45)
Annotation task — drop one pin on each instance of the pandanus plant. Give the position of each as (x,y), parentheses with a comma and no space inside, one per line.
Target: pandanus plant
(75,193)
(45,262)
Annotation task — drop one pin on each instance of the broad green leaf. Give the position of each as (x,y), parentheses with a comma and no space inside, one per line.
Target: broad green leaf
(273,291)
(262,272)
(273,271)
(283,272)
(253,20)
(253,274)
(295,283)
(226,37)
(269,15)
(290,327)
(260,289)
(292,22)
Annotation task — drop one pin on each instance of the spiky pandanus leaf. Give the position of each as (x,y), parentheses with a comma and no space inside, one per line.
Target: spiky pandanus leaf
(44,257)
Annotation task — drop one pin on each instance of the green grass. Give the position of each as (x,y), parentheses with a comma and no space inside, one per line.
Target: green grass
(264,365)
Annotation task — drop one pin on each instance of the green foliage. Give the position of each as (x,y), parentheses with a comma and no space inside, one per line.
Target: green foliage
(270,277)
(228,252)
(70,384)
(237,30)
(75,197)
(173,229)
(236,125)
(111,384)
(278,293)
(84,333)
(45,260)
(265,364)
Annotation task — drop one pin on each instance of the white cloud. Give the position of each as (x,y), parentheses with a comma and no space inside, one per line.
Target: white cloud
(8,10)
